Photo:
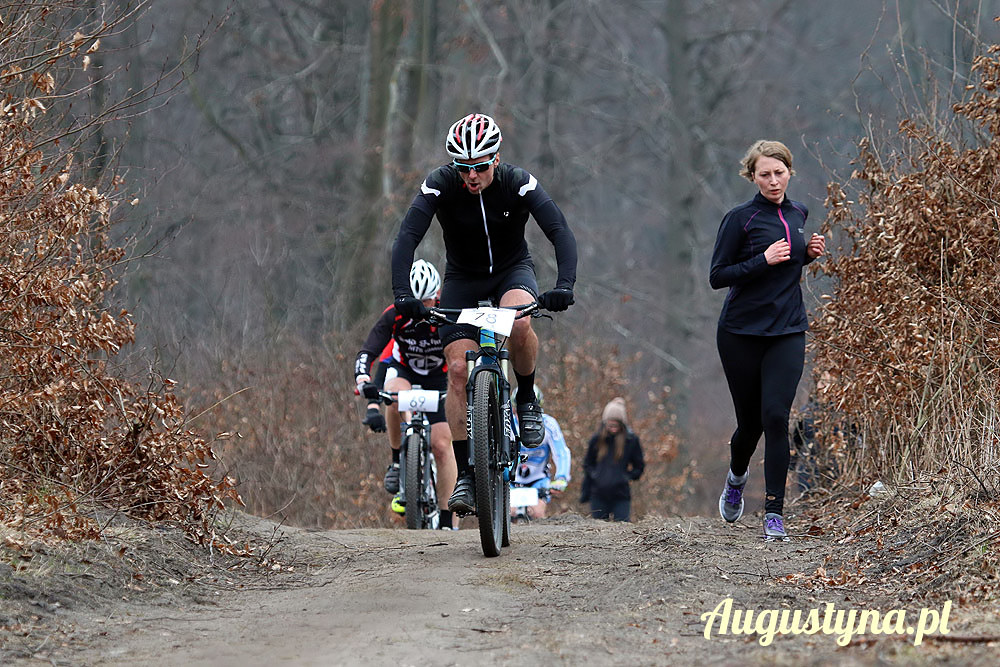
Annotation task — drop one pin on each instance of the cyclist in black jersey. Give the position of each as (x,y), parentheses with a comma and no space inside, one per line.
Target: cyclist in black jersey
(482,205)
(417,359)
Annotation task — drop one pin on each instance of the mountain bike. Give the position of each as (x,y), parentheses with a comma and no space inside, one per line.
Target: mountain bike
(493,445)
(418,483)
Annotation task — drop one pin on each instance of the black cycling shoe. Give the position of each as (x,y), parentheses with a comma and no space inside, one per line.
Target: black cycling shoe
(391,482)
(463,500)
(529,418)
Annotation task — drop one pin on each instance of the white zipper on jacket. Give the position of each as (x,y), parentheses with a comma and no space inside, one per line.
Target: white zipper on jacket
(489,245)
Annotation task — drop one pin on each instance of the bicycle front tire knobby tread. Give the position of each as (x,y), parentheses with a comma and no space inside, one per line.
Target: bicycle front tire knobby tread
(486,442)
(412,483)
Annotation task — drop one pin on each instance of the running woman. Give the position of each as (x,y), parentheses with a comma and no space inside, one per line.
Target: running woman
(759,254)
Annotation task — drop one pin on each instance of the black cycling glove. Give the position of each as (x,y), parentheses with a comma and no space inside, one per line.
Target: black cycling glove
(411,307)
(556,299)
(370,391)
(374,420)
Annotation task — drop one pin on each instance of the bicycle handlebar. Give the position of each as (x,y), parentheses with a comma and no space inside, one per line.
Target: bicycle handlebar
(441,315)
(390,397)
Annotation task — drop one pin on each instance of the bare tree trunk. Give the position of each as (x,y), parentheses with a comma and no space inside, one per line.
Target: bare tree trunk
(411,82)
(98,154)
(428,88)
(685,240)
(553,93)
(364,253)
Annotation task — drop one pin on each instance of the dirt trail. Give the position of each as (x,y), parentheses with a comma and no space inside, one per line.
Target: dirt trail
(570,591)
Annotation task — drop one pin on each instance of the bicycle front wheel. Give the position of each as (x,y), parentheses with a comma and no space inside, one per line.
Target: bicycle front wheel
(487,438)
(505,540)
(412,483)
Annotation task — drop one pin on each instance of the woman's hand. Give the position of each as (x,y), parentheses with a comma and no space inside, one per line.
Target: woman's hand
(778,252)
(816,246)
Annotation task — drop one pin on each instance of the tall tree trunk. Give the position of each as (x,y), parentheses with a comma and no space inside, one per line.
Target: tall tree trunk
(411,82)
(684,240)
(428,87)
(364,251)
(97,160)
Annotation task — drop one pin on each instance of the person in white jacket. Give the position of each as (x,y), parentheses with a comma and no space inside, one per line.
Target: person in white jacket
(536,466)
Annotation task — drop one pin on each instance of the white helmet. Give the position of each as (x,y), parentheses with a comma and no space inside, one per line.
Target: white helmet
(473,137)
(424,280)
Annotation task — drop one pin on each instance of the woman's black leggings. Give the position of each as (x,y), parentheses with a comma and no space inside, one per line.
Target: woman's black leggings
(763,374)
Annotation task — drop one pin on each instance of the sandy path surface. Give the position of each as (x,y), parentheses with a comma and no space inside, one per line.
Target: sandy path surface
(570,591)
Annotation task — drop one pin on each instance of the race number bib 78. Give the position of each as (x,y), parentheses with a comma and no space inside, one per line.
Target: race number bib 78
(498,320)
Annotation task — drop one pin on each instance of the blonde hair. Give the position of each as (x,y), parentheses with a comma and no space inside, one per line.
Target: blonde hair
(764,148)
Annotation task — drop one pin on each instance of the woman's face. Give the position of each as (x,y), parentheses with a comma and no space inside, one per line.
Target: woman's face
(771,176)
(613,426)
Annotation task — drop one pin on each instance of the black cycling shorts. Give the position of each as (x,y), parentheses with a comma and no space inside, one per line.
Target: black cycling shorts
(461,291)
(438,381)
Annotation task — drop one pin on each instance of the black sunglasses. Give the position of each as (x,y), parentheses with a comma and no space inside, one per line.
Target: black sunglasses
(466,168)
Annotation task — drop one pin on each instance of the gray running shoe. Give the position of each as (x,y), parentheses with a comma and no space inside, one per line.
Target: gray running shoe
(774,527)
(463,500)
(391,482)
(731,500)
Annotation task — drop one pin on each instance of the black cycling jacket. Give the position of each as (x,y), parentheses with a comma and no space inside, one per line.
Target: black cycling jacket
(483,233)
(763,300)
(418,344)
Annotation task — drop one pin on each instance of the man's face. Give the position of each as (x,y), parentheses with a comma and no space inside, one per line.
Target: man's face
(475,180)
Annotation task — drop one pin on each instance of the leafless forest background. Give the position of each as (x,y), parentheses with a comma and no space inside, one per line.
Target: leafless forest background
(271,183)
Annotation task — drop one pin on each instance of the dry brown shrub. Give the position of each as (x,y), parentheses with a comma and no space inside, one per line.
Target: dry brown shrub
(79,439)
(578,380)
(299,452)
(910,332)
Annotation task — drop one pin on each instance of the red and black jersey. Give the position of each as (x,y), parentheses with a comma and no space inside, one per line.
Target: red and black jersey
(417,346)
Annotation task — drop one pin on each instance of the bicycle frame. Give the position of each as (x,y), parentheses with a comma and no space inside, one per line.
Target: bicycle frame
(491,357)
(420,427)
(494,447)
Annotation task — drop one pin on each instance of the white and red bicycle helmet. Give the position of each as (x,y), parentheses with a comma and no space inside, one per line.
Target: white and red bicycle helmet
(424,280)
(473,137)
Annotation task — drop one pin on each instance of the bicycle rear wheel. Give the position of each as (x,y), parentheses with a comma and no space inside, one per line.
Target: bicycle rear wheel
(412,482)
(487,438)
(432,518)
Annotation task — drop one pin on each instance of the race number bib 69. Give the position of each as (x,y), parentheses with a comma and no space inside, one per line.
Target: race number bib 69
(498,320)
(422,400)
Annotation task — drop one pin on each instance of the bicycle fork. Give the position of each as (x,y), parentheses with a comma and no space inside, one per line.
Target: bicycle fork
(485,361)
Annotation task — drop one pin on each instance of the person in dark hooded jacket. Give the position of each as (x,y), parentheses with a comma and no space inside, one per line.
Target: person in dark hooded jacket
(614,459)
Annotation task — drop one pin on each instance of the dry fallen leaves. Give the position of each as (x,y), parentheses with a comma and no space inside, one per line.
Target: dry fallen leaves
(75,431)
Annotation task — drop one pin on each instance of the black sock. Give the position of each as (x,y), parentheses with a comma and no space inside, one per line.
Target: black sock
(461,448)
(525,387)
(446,519)
(395,456)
